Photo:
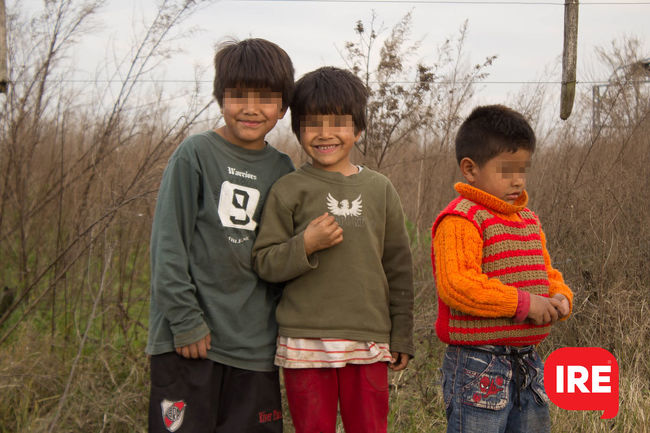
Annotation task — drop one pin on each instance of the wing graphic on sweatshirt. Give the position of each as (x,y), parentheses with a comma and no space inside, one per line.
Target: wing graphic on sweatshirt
(344,208)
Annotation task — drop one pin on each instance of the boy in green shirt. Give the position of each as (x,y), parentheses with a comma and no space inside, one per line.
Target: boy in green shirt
(212,328)
(335,232)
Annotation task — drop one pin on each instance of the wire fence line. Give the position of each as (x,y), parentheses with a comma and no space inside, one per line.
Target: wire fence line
(455,2)
(184,81)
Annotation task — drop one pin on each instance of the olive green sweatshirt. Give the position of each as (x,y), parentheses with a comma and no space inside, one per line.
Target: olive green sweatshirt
(209,205)
(360,289)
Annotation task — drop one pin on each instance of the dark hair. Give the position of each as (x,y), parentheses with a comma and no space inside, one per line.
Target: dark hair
(490,130)
(253,63)
(329,90)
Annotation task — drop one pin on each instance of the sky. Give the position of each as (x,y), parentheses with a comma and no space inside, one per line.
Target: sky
(526,36)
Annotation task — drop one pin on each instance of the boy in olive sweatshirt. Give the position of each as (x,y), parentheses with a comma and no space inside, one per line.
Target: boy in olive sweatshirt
(335,232)
(211,327)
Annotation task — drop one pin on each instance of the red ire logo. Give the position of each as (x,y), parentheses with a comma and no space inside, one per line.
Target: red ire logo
(583,378)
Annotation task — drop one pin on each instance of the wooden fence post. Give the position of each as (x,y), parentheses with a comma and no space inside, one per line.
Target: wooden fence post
(569,58)
(4,79)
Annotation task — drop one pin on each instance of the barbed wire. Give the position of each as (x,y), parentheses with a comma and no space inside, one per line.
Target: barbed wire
(456,2)
(181,81)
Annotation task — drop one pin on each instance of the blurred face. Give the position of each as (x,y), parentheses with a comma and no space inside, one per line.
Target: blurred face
(249,115)
(503,176)
(328,140)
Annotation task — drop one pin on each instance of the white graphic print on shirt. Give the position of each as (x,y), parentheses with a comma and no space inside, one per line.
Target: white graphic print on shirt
(237,205)
(344,208)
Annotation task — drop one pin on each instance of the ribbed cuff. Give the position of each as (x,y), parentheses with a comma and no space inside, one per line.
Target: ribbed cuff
(192,336)
(523,306)
(311,260)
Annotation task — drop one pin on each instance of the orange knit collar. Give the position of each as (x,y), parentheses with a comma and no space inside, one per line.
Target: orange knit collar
(491,202)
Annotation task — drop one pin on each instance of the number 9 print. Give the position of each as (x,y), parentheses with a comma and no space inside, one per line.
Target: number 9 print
(237,205)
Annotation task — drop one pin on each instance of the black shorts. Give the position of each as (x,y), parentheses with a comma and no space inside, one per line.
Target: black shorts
(203,396)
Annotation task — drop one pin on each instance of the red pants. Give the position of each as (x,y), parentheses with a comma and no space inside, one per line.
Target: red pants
(314,394)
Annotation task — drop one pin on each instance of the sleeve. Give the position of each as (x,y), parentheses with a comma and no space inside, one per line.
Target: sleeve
(173,227)
(279,254)
(398,267)
(460,281)
(557,285)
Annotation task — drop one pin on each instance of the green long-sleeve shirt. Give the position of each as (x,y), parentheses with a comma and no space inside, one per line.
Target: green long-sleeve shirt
(360,289)
(208,208)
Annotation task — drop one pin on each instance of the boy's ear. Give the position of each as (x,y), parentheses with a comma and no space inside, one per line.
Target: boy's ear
(282,112)
(469,169)
(357,136)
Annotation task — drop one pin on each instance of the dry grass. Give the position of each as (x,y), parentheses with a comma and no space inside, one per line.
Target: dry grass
(595,220)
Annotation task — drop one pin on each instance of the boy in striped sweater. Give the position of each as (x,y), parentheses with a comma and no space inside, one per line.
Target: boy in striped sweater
(498,294)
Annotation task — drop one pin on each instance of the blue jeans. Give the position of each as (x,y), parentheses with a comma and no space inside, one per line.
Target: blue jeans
(494,389)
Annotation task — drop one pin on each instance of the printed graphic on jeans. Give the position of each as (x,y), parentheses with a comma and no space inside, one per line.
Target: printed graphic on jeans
(484,381)
(173,413)
(237,205)
(488,386)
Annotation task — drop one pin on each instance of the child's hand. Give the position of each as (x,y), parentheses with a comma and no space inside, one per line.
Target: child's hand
(399,361)
(321,233)
(563,309)
(195,350)
(543,310)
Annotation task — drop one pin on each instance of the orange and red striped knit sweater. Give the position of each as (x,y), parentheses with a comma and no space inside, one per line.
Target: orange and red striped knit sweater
(488,256)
